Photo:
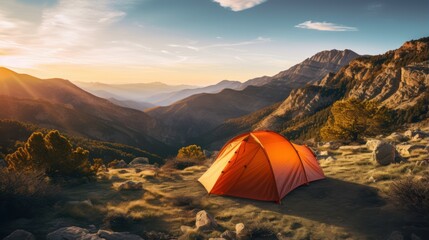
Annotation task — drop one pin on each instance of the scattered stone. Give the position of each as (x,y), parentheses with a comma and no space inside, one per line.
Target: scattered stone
(130,185)
(418,134)
(119,164)
(372,143)
(242,232)
(139,161)
(20,235)
(123,171)
(107,235)
(385,154)
(186,229)
(330,159)
(70,233)
(396,235)
(324,153)
(92,228)
(204,221)
(417,137)
(138,170)
(405,149)
(397,137)
(228,235)
(331,145)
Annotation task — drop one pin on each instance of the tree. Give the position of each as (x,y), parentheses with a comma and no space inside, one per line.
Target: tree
(191,152)
(53,154)
(352,119)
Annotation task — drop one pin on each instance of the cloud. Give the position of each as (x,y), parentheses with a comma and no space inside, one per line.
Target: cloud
(239,5)
(220,45)
(374,7)
(325,26)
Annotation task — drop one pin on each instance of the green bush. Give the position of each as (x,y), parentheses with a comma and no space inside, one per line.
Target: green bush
(191,152)
(51,154)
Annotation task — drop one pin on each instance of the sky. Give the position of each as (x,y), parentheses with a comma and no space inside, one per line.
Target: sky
(197,42)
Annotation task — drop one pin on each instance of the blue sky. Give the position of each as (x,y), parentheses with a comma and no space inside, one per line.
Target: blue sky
(194,41)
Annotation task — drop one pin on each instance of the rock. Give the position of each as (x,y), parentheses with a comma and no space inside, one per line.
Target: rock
(331,145)
(372,143)
(405,149)
(107,235)
(324,153)
(123,171)
(186,229)
(20,235)
(330,159)
(417,137)
(396,235)
(241,231)
(130,185)
(118,164)
(415,134)
(204,221)
(385,154)
(92,228)
(219,238)
(397,137)
(139,161)
(138,170)
(228,235)
(71,233)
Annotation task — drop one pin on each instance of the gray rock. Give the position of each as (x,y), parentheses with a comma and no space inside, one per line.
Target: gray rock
(107,235)
(20,235)
(406,149)
(130,185)
(415,134)
(323,153)
(385,154)
(228,235)
(330,159)
(204,221)
(372,143)
(396,137)
(418,136)
(72,233)
(139,161)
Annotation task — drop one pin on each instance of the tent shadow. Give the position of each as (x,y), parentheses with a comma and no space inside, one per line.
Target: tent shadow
(355,207)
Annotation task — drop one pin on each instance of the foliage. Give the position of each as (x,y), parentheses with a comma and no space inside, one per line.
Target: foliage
(352,119)
(22,193)
(412,194)
(191,152)
(13,133)
(52,154)
(180,163)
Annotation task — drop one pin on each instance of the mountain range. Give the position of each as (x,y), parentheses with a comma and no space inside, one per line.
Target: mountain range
(294,102)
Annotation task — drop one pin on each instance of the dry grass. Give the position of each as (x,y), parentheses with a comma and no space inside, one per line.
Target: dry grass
(411,193)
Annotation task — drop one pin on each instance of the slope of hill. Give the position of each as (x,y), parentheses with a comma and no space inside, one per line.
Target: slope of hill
(168,98)
(57,103)
(398,79)
(197,114)
(132,104)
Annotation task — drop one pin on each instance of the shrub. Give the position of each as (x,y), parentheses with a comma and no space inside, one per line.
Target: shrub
(180,164)
(22,194)
(411,193)
(51,154)
(191,152)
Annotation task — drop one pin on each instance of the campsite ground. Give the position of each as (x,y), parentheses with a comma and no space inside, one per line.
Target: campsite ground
(351,203)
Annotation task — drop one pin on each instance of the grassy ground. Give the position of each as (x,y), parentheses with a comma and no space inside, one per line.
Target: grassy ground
(351,203)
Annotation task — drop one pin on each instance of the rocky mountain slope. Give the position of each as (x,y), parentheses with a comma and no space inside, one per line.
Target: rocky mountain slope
(398,79)
(197,114)
(59,104)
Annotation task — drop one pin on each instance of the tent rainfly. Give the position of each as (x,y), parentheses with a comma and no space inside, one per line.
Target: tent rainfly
(261,165)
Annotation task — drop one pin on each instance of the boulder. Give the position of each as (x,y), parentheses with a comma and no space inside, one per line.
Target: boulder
(139,161)
(130,185)
(330,159)
(20,235)
(396,235)
(71,233)
(241,231)
(415,134)
(204,221)
(418,136)
(323,153)
(385,154)
(107,235)
(372,143)
(228,235)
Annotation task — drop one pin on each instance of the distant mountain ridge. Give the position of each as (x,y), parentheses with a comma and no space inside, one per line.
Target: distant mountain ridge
(59,104)
(197,114)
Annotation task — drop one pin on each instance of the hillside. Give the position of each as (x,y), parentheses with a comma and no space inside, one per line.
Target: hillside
(57,103)
(197,114)
(398,79)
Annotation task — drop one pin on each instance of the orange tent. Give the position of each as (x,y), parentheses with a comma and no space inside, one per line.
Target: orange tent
(261,165)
